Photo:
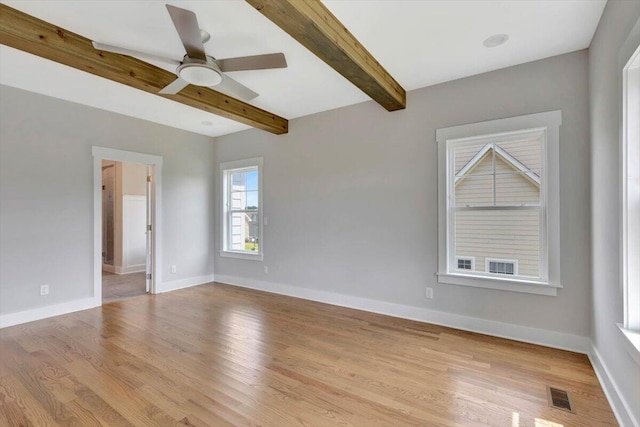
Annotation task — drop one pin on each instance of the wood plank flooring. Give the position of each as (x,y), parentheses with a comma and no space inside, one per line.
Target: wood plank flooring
(120,286)
(218,355)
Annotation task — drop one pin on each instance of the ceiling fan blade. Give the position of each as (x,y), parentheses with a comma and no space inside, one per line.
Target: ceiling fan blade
(256,62)
(235,89)
(186,24)
(174,87)
(134,53)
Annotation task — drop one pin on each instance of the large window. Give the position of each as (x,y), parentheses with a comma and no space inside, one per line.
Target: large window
(242,209)
(498,204)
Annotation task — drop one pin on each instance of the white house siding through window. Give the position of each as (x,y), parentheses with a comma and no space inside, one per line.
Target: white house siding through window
(499,174)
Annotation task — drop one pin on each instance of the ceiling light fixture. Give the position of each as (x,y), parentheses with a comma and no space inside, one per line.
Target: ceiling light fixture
(200,73)
(496,40)
(207,123)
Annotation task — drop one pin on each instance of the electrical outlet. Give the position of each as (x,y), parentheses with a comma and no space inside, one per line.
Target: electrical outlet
(429,293)
(44,290)
(266,269)
(265,221)
(174,269)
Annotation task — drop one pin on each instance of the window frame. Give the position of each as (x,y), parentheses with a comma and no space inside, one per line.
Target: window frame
(630,196)
(547,122)
(226,169)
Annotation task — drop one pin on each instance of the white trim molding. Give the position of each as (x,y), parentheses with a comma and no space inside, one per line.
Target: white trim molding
(620,407)
(544,337)
(11,319)
(631,342)
(130,269)
(184,283)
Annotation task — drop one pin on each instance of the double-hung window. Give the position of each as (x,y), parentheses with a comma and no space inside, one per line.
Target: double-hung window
(498,204)
(242,209)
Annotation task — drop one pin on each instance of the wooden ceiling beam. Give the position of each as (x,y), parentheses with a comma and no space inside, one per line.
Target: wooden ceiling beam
(29,34)
(317,29)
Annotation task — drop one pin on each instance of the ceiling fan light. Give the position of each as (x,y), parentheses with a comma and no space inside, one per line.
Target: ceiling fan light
(200,76)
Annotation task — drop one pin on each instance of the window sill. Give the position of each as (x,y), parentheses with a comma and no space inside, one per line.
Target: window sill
(631,342)
(241,255)
(513,285)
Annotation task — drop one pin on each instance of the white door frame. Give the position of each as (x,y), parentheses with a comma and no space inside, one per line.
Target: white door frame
(100,154)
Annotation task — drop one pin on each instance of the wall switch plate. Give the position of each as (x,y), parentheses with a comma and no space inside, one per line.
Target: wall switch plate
(44,290)
(266,269)
(174,269)
(429,293)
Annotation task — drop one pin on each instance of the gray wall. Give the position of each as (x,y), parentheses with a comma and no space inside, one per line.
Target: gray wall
(46,195)
(350,195)
(612,45)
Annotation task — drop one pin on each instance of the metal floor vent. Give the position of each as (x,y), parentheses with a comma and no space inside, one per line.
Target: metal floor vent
(559,399)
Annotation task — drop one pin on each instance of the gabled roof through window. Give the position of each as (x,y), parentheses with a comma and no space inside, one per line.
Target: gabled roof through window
(511,161)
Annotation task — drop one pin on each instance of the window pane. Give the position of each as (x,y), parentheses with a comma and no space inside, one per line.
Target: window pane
(238,181)
(524,154)
(244,200)
(474,191)
(501,267)
(464,264)
(501,234)
(517,188)
(244,232)
(467,158)
(252,180)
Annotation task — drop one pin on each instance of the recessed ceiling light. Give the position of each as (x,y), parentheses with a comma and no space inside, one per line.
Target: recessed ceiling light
(496,40)
(206,123)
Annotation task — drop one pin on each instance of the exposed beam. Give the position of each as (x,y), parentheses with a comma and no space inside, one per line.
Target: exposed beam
(29,34)
(317,29)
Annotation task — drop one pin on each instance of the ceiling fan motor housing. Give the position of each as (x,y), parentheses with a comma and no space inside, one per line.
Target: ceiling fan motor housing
(200,72)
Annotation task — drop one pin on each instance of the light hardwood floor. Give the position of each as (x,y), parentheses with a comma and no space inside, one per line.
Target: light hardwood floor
(120,286)
(218,355)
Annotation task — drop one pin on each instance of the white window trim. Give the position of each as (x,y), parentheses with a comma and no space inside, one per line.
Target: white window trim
(463,257)
(549,121)
(503,260)
(629,225)
(224,191)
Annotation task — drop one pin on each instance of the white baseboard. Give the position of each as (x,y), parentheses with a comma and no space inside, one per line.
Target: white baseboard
(184,283)
(563,341)
(25,316)
(620,407)
(130,269)
(108,268)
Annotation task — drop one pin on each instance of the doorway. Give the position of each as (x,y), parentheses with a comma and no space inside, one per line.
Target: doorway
(126,226)
(126,209)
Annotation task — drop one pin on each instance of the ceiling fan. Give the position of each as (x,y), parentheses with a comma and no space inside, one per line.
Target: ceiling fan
(198,68)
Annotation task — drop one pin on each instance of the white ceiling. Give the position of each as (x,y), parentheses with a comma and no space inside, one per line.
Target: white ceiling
(420,43)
